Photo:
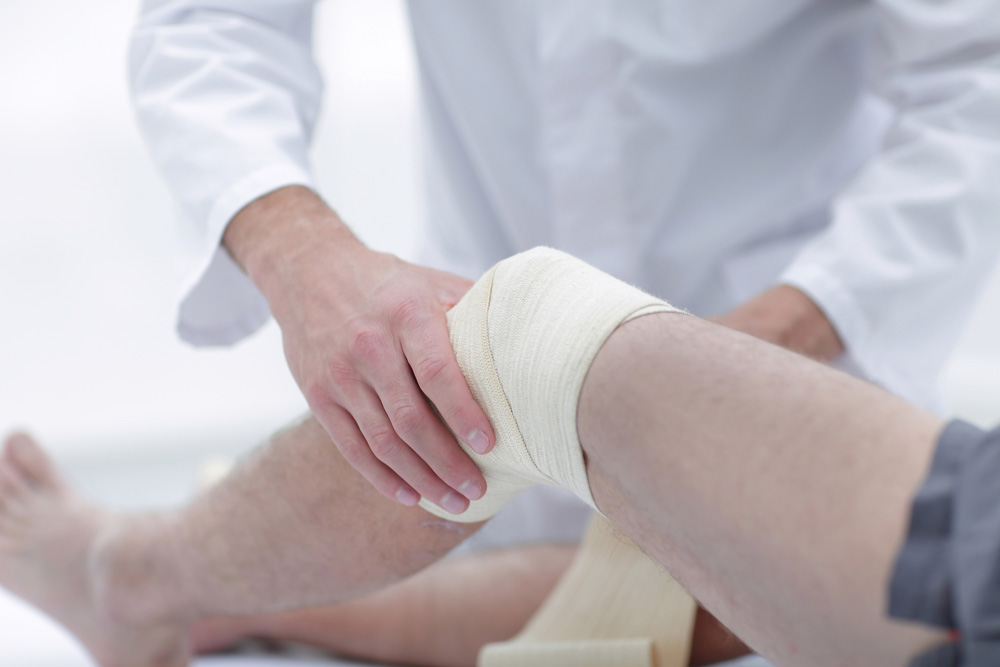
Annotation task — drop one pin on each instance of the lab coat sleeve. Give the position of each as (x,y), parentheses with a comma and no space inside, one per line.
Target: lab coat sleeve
(915,236)
(226,94)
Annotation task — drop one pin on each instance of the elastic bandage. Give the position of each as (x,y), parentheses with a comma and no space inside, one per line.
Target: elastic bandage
(525,336)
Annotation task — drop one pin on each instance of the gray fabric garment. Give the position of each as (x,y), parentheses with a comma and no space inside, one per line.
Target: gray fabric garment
(947,574)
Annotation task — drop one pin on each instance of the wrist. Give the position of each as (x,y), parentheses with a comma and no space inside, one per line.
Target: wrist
(270,236)
(787,316)
(806,327)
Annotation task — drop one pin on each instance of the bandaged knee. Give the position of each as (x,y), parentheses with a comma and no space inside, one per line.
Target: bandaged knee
(525,336)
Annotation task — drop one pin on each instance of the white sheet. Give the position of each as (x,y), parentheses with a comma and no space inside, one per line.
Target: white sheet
(256,661)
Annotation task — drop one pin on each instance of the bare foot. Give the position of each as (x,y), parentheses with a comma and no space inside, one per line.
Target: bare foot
(49,543)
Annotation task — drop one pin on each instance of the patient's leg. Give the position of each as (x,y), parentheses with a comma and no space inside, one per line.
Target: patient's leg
(775,489)
(440,617)
(293,526)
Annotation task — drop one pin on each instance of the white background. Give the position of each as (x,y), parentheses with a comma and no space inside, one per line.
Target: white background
(88,357)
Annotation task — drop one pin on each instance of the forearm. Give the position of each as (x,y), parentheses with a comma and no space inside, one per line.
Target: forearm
(270,235)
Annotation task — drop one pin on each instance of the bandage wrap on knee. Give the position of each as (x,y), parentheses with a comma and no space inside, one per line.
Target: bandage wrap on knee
(525,336)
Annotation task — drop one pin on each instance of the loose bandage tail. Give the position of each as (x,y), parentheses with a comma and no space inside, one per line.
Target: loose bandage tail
(613,607)
(525,336)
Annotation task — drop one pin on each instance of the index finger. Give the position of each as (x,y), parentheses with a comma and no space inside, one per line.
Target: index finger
(439,377)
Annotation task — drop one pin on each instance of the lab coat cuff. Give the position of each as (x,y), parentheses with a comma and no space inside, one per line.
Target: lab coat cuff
(219,304)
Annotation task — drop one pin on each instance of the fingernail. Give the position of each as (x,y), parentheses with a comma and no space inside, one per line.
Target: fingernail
(407,497)
(478,441)
(453,502)
(471,490)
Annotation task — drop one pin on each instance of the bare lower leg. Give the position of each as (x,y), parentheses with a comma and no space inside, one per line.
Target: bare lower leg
(774,489)
(294,526)
(442,616)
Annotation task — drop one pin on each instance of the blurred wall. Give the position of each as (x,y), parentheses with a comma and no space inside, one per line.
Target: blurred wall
(88,358)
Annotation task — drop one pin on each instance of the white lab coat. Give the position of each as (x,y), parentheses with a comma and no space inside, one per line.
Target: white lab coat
(703,150)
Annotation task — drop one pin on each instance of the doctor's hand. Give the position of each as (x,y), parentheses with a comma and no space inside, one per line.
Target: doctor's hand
(366,339)
(786,316)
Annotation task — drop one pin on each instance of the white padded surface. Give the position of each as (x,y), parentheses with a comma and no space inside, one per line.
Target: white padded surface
(28,639)
(752,661)
(262,661)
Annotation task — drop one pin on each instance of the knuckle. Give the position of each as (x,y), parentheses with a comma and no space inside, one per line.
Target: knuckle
(407,419)
(366,344)
(317,396)
(409,311)
(383,444)
(341,371)
(430,369)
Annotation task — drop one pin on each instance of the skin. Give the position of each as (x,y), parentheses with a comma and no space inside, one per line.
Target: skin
(440,617)
(786,316)
(366,339)
(748,445)
(717,453)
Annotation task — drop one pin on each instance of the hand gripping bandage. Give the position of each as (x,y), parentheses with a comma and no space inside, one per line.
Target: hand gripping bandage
(525,336)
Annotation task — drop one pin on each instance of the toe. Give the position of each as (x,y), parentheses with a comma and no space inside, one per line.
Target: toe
(31,461)
(12,484)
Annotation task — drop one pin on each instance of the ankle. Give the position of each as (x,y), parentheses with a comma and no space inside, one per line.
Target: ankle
(135,578)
